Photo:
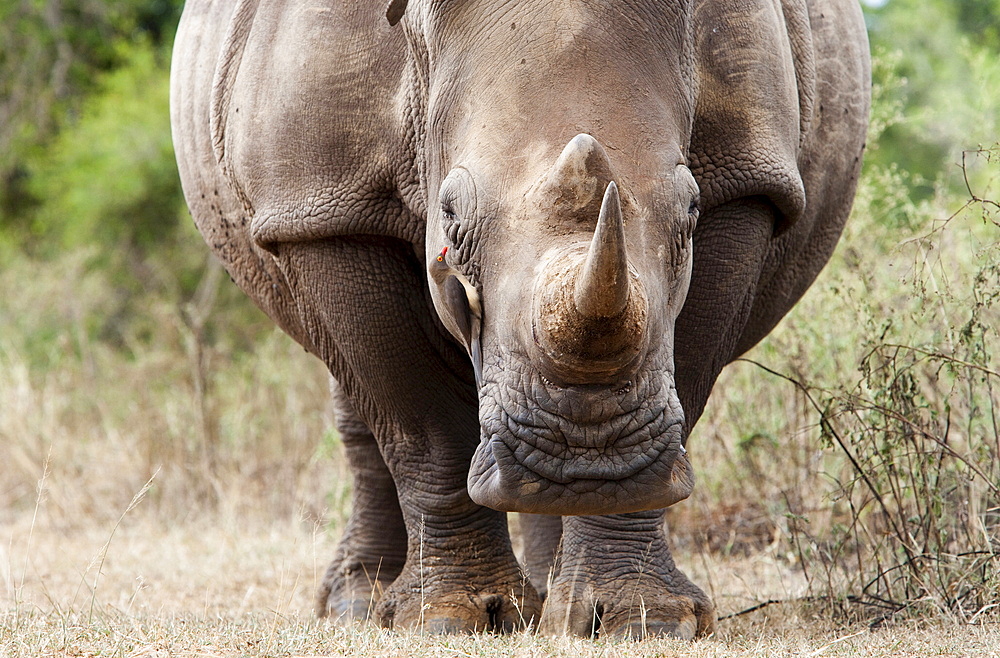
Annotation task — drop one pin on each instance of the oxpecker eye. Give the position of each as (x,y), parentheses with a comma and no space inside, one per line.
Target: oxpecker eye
(444,252)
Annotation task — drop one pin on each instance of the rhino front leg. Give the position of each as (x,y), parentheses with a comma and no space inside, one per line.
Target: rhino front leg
(369,309)
(616,577)
(460,573)
(372,550)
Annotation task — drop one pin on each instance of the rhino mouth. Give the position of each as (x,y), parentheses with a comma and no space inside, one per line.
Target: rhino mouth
(580,450)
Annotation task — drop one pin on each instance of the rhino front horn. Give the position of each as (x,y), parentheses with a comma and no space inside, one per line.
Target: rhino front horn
(588,308)
(602,288)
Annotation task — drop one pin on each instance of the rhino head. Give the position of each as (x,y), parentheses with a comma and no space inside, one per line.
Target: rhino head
(578,408)
(555,158)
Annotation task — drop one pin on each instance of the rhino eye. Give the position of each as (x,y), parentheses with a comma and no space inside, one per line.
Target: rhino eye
(451,223)
(457,199)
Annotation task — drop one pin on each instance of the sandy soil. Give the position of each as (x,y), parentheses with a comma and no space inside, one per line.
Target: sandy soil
(243,586)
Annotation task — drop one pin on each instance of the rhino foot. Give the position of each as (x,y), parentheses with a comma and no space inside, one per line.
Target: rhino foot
(351,589)
(457,603)
(616,578)
(636,608)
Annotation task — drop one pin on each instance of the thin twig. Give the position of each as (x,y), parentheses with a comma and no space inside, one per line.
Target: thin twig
(843,446)
(31,531)
(759,606)
(968,186)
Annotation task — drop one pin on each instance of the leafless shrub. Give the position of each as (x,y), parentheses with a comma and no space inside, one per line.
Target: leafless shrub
(914,496)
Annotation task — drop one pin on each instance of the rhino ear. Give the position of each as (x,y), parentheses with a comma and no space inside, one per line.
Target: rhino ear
(394,12)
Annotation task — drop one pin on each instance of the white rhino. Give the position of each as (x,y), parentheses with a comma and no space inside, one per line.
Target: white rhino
(525,237)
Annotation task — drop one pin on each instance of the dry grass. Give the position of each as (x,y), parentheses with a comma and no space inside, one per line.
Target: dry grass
(228,423)
(213,586)
(89,568)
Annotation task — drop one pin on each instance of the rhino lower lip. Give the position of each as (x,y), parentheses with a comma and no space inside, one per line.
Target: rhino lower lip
(616,462)
(502,479)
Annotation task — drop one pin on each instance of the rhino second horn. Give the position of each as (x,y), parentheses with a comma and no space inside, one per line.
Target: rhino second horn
(602,289)
(573,184)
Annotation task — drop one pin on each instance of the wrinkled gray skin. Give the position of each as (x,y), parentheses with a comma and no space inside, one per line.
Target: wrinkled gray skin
(327,156)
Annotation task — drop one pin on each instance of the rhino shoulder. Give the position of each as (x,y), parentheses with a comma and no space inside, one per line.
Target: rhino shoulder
(307,121)
(748,119)
(765,69)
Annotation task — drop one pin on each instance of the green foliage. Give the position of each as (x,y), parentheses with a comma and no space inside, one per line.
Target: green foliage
(105,195)
(112,181)
(938,65)
(49,54)
(980,19)
(102,196)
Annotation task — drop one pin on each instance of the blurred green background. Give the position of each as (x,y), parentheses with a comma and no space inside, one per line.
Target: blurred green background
(86,166)
(87,170)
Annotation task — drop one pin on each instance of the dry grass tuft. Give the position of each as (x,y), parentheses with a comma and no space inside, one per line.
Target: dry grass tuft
(818,488)
(210,589)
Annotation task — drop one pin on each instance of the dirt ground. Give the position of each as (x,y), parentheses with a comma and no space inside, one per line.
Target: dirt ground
(212,586)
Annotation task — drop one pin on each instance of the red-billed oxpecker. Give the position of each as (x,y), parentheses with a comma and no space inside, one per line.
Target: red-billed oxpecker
(462,301)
